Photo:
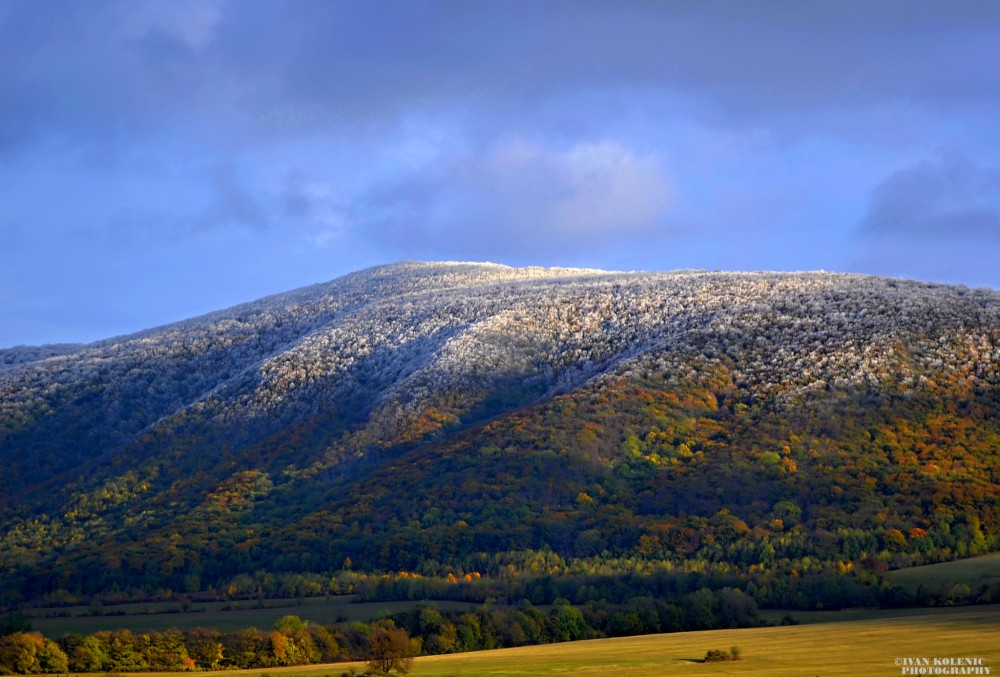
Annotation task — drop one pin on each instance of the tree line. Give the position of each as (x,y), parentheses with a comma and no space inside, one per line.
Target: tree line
(424,629)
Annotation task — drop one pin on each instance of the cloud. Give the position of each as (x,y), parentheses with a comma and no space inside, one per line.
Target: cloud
(296,203)
(232,204)
(245,146)
(517,195)
(192,22)
(950,196)
(236,72)
(229,204)
(744,56)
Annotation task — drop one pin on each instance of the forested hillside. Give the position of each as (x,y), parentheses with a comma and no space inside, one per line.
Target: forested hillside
(527,430)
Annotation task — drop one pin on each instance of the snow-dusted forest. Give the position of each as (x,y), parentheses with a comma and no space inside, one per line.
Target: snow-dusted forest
(402,335)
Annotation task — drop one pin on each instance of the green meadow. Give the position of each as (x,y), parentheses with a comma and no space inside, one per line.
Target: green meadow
(973,572)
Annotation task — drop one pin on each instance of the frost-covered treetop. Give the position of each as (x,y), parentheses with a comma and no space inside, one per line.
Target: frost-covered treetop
(403,335)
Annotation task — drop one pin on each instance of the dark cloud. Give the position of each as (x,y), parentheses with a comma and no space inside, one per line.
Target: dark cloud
(97,72)
(762,55)
(950,196)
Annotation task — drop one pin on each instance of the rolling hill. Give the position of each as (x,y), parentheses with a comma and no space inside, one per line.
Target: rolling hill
(514,423)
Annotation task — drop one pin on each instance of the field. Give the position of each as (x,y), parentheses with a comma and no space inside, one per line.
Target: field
(827,643)
(973,572)
(862,646)
(225,616)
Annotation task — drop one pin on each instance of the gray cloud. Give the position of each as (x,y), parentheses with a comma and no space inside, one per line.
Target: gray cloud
(762,55)
(950,196)
(190,22)
(230,205)
(117,70)
(93,74)
(295,202)
(518,194)
(315,137)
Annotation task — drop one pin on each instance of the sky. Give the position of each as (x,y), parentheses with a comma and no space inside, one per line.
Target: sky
(163,159)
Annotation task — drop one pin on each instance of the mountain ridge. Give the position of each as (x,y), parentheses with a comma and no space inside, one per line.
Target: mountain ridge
(295,403)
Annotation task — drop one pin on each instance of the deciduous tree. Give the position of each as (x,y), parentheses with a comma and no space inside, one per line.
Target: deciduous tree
(390,648)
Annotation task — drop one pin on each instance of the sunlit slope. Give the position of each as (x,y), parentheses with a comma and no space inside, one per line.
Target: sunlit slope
(433,416)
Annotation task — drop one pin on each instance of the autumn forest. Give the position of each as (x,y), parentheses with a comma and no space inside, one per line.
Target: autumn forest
(572,453)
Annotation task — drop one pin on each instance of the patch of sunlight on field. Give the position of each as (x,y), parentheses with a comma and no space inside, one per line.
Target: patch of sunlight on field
(868,647)
(974,572)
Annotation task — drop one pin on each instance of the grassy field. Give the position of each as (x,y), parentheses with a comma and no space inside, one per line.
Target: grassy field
(216,615)
(974,572)
(859,646)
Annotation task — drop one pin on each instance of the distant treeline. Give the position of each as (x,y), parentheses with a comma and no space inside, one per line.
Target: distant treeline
(293,641)
(513,612)
(657,604)
(806,585)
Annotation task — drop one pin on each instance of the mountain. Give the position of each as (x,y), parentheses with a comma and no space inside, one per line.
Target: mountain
(443,417)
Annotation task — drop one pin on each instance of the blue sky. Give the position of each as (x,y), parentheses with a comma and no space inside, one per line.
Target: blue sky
(159,160)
